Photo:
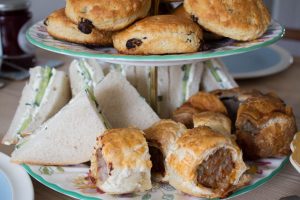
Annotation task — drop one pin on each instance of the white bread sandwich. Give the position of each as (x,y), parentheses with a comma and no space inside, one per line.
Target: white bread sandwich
(121,104)
(175,83)
(84,74)
(44,95)
(66,138)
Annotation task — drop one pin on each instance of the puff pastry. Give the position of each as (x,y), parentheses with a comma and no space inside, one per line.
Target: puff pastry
(265,127)
(160,137)
(199,102)
(121,162)
(205,163)
(216,121)
(232,98)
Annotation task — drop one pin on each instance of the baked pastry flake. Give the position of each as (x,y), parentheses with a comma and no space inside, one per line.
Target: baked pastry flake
(205,163)
(160,137)
(265,127)
(60,27)
(159,34)
(110,15)
(237,19)
(121,162)
(216,121)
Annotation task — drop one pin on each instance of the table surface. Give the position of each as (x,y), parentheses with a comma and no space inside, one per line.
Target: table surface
(285,84)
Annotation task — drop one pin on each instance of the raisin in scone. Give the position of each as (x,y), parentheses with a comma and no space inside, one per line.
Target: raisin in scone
(107,15)
(160,34)
(60,27)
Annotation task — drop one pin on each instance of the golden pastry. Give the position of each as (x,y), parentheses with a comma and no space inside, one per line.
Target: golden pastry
(60,27)
(110,15)
(265,127)
(121,162)
(237,19)
(160,137)
(159,34)
(200,102)
(205,163)
(216,121)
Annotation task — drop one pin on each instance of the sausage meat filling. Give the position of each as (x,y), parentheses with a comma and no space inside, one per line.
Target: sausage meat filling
(215,172)
(157,160)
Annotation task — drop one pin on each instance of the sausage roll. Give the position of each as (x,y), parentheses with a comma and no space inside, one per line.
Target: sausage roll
(205,163)
(160,137)
(121,162)
(265,127)
(199,102)
(216,121)
(232,98)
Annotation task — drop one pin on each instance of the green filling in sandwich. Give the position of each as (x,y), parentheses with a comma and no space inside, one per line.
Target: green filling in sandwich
(46,73)
(46,76)
(86,75)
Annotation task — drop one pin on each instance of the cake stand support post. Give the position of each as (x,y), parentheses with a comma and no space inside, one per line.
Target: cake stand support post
(153,88)
(154,69)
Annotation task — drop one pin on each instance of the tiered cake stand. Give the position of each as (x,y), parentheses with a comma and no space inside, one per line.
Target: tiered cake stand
(70,180)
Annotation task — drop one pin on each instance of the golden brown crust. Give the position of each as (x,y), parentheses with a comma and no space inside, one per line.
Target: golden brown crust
(239,19)
(200,102)
(207,102)
(164,133)
(125,148)
(265,127)
(207,35)
(108,16)
(190,150)
(216,121)
(160,34)
(121,162)
(60,27)
(180,11)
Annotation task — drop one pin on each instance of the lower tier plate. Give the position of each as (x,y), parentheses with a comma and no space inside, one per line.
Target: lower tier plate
(71,181)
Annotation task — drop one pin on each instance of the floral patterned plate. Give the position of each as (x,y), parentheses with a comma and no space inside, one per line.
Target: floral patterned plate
(72,181)
(39,36)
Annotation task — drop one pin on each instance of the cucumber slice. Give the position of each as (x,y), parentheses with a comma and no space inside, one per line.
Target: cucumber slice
(46,76)
(86,75)
(25,124)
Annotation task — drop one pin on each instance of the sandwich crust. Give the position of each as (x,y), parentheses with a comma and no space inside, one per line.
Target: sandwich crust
(110,15)
(238,19)
(124,154)
(160,34)
(60,27)
(194,148)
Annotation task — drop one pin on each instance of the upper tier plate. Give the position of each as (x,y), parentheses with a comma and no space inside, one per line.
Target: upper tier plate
(39,36)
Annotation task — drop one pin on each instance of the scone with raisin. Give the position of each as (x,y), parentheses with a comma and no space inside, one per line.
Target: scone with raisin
(160,34)
(207,35)
(60,27)
(237,19)
(110,15)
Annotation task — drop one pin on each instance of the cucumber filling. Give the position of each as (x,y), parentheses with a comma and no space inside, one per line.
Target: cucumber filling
(46,73)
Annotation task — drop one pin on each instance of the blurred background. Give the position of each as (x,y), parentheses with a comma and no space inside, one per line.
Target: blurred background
(286,12)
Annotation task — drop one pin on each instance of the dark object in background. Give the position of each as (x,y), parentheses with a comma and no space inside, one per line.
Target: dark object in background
(15,19)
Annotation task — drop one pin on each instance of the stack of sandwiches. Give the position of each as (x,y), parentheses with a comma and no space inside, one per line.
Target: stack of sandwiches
(50,129)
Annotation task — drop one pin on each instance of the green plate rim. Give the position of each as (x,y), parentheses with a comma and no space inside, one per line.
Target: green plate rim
(80,196)
(149,58)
